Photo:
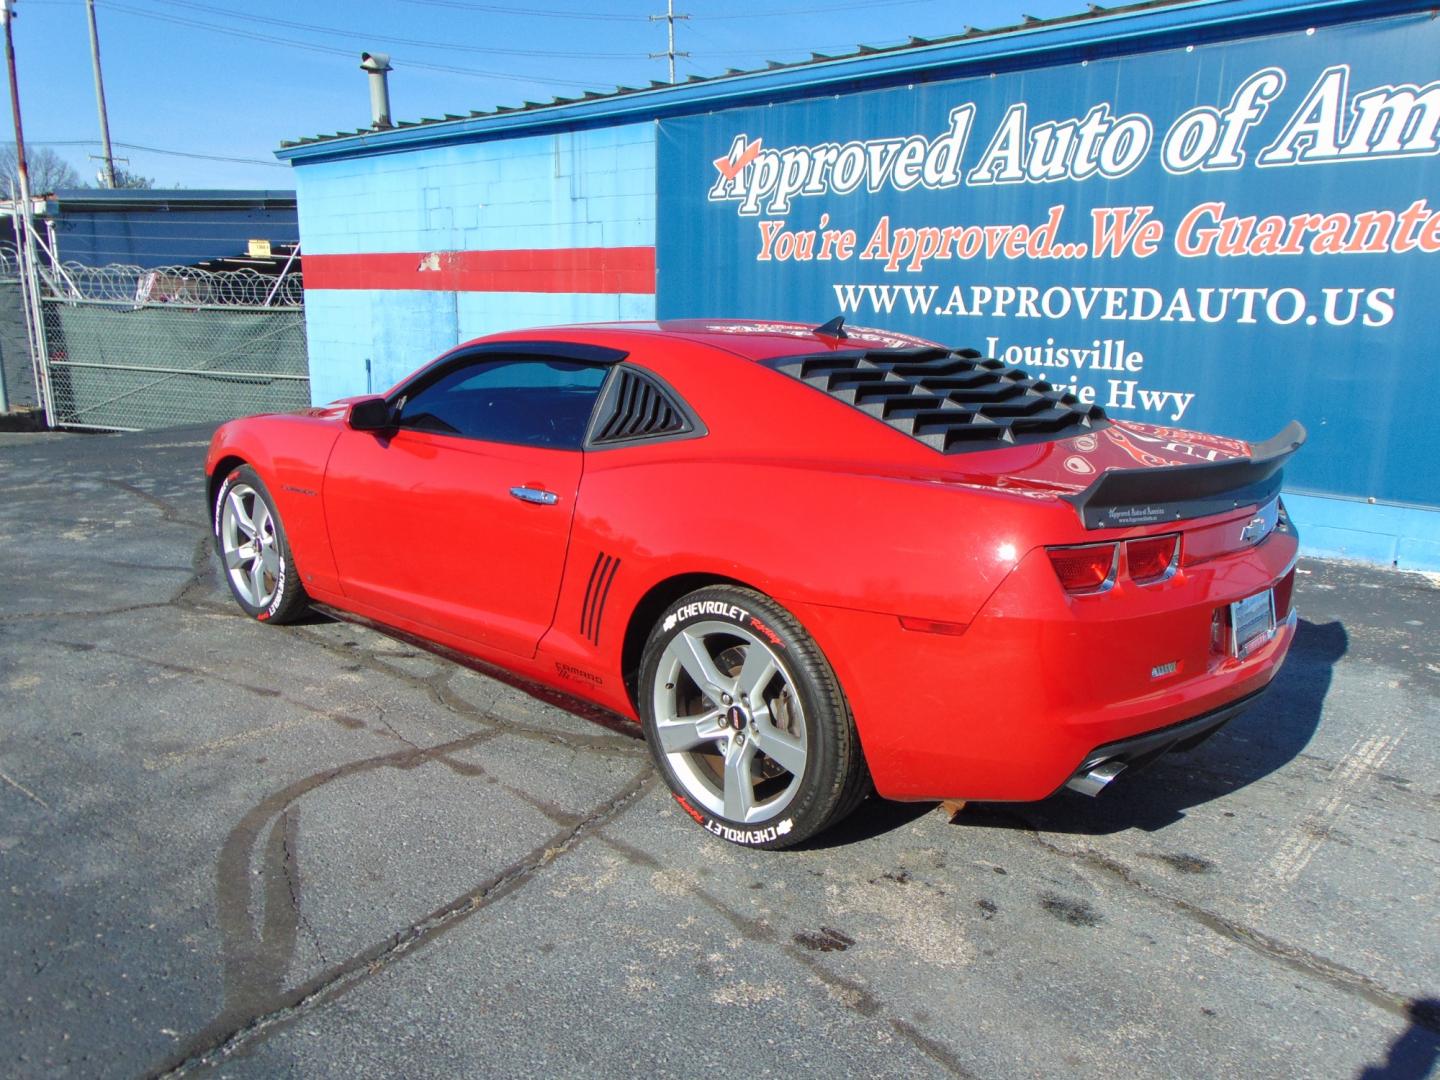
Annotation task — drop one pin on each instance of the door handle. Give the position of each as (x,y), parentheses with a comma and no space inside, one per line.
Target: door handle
(539,496)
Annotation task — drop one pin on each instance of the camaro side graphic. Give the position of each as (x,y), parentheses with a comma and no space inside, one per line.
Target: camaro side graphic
(811,562)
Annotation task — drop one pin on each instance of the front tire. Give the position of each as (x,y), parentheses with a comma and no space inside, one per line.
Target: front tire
(258,564)
(746,721)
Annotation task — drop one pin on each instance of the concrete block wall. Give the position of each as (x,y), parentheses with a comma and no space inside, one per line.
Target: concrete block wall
(579,205)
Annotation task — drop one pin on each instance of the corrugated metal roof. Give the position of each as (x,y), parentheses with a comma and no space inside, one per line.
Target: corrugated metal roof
(1099,29)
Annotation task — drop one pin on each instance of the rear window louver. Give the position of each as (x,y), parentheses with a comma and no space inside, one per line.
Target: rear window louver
(637,407)
(951,401)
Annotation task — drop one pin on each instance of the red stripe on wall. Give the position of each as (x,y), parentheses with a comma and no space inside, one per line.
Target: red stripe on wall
(541,270)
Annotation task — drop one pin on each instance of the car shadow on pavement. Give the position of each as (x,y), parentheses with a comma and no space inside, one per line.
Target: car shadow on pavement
(312,616)
(874,817)
(1264,738)
(1416,1050)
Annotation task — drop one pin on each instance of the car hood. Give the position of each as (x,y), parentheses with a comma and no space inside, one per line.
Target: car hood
(335,410)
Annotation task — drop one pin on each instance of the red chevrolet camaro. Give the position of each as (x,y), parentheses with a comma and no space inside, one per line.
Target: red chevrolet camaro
(807,561)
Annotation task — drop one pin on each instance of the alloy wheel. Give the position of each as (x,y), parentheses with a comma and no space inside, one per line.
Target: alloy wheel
(730,722)
(250,546)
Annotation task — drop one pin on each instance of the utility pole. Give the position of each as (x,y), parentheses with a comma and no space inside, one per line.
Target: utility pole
(22,172)
(669,18)
(25,228)
(108,176)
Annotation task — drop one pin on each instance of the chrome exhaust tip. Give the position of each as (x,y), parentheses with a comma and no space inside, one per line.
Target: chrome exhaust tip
(1092,781)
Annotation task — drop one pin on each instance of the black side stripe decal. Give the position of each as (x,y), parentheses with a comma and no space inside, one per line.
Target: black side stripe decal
(604,595)
(590,591)
(597,590)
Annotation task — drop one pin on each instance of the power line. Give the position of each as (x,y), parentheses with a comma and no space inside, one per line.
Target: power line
(465,5)
(820,10)
(722,48)
(451,46)
(769,50)
(546,13)
(333,50)
(551,13)
(162,150)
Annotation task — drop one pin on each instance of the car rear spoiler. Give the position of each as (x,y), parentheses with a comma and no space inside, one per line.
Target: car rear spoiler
(1120,498)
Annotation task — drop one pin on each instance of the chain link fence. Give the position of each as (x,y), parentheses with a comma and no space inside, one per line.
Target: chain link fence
(130,349)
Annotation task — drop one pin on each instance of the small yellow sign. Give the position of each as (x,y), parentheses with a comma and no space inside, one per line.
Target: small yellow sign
(259,249)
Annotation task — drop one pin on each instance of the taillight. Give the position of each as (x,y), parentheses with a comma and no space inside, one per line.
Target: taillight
(1285,595)
(1220,631)
(1153,558)
(1086,568)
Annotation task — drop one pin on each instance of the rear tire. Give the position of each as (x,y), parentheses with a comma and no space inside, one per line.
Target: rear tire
(746,721)
(254,551)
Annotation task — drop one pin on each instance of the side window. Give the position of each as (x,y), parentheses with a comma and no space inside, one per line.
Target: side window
(531,401)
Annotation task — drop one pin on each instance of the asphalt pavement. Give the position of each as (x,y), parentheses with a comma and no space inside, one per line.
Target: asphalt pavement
(324,851)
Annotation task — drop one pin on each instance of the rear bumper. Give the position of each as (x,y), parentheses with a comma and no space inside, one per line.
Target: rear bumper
(1041,682)
(1138,751)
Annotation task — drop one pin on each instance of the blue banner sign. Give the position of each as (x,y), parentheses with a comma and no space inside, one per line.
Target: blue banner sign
(1225,236)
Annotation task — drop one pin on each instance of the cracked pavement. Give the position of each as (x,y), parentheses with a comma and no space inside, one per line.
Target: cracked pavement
(326,851)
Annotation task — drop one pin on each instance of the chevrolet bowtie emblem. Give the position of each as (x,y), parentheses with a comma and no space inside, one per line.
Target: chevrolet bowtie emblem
(1262,524)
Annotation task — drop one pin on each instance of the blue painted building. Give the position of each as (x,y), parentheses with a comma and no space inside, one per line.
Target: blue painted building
(408,254)
(148,228)
(1209,214)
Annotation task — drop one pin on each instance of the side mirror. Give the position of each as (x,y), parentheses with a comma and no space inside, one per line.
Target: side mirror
(371,414)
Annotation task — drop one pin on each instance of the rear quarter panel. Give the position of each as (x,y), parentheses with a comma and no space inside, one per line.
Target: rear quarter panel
(807,534)
(803,497)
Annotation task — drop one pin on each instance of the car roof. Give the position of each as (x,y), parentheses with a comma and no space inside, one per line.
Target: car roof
(750,338)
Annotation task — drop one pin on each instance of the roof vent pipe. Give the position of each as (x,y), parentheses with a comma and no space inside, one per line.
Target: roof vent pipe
(377,65)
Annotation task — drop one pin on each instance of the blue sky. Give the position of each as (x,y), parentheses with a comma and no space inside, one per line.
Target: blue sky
(231,80)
